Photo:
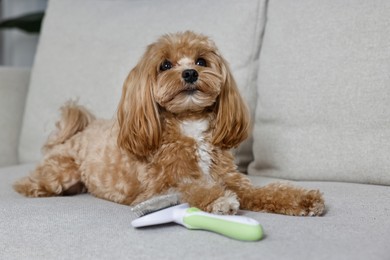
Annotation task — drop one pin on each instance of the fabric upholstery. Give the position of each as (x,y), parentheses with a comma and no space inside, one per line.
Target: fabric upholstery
(13,92)
(323,110)
(84,227)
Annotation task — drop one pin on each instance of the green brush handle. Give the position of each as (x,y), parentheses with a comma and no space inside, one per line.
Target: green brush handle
(236,227)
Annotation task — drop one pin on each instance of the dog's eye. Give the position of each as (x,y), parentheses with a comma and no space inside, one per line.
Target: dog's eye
(201,62)
(166,65)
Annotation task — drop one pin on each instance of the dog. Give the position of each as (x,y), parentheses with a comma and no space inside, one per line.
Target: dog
(179,116)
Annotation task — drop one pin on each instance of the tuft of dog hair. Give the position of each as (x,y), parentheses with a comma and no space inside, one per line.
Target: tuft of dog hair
(74,119)
(179,116)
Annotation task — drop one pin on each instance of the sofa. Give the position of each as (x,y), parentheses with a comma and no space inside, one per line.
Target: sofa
(315,76)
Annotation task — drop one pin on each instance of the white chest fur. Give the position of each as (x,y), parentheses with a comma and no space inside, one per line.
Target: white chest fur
(196,129)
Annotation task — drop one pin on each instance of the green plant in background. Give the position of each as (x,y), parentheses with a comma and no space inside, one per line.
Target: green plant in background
(30,23)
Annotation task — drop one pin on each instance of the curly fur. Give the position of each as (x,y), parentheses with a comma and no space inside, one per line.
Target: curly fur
(170,135)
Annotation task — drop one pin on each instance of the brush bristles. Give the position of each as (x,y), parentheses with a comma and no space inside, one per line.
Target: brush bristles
(155,204)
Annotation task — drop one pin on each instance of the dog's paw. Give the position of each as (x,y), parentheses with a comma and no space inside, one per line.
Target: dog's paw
(311,204)
(30,187)
(226,205)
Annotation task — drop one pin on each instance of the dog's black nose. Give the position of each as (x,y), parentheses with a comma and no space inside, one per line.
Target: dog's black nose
(190,76)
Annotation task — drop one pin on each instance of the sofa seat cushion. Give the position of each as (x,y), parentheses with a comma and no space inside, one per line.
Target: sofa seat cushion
(356,226)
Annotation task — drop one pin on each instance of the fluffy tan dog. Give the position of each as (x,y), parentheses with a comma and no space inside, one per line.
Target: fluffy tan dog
(179,116)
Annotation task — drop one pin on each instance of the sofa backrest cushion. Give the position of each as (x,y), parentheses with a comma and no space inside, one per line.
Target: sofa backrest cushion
(87,48)
(323,108)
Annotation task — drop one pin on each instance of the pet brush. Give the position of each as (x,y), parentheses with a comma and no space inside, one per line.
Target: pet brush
(159,210)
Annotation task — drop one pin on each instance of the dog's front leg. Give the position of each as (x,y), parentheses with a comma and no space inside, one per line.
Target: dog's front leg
(281,198)
(209,197)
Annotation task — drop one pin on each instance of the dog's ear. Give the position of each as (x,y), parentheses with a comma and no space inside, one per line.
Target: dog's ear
(232,116)
(138,116)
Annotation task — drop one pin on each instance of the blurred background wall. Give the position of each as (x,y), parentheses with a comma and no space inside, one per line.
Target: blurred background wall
(17,48)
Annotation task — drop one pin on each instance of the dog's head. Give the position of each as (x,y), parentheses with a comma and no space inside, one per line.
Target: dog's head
(181,73)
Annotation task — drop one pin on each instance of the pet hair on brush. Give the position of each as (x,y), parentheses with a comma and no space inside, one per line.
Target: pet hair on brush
(155,204)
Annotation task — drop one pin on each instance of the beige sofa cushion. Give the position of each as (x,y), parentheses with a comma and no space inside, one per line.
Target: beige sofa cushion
(86,53)
(13,92)
(356,226)
(323,109)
